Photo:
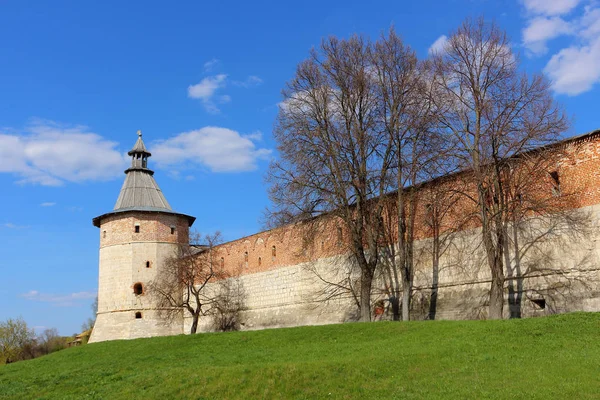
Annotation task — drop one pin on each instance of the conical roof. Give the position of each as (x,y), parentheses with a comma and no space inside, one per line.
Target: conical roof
(140,192)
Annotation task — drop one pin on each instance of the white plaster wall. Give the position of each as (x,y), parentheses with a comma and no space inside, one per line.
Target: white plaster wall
(567,277)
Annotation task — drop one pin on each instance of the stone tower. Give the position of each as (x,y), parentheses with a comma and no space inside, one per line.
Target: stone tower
(136,238)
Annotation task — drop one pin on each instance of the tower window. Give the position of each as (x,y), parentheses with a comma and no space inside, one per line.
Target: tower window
(104,234)
(137,229)
(138,315)
(340,236)
(147,264)
(138,289)
(555,183)
(273,252)
(246,256)
(222,262)
(259,261)
(540,303)
(172,230)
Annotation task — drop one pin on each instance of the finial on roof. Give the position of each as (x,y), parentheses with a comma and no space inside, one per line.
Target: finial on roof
(139,146)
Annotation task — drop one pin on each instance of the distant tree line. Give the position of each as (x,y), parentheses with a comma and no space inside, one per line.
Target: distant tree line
(19,342)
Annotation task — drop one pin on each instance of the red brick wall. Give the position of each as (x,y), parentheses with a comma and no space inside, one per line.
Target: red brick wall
(578,164)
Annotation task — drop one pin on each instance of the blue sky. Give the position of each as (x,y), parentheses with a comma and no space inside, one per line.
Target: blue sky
(202,81)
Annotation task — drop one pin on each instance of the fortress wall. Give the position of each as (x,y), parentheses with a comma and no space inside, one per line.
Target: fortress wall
(563,270)
(560,266)
(287,296)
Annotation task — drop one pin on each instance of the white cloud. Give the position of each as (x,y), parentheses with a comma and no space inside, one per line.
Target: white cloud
(438,45)
(574,70)
(590,23)
(210,89)
(47,204)
(540,30)
(219,149)
(206,89)
(209,65)
(256,135)
(49,154)
(61,300)
(550,7)
(251,81)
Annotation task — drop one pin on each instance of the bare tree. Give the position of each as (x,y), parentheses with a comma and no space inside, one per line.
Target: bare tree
(399,103)
(181,284)
(495,112)
(541,213)
(333,157)
(420,151)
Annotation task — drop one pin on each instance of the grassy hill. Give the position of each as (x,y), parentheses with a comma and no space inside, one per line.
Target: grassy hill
(552,357)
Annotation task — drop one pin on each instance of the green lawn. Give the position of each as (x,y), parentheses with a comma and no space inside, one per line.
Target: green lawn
(542,358)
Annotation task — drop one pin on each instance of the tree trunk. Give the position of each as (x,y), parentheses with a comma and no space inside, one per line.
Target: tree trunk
(435,278)
(365,294)
(194,327)
(406,289)
(494,256)
(513,308)
(517,270)
(497,291)
(401,259)
(395,303)
(494,253)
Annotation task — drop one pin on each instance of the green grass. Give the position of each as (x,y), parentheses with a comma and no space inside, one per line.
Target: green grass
(540,358)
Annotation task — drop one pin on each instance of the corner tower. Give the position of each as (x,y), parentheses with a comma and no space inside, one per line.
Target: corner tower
(136,238)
